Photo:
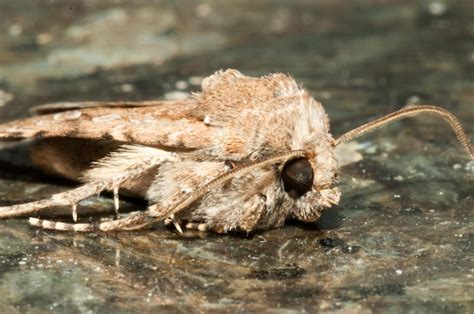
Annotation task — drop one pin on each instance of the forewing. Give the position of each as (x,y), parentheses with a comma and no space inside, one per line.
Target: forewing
(165,125)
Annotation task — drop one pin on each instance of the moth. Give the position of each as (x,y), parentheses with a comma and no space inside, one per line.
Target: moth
(245,153)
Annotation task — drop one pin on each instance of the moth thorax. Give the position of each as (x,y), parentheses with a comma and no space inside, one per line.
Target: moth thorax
(297,175)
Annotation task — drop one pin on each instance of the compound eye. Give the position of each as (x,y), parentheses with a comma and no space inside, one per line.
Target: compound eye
(297,175)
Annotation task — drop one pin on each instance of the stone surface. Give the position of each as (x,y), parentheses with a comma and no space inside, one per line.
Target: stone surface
(401,239)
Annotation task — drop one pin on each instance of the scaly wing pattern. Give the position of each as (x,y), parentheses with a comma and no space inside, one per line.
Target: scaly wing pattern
(167,126)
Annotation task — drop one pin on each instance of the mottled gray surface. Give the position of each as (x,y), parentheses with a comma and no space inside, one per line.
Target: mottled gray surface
(401,239)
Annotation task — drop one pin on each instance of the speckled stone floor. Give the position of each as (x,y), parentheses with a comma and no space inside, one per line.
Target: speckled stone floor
(401,239)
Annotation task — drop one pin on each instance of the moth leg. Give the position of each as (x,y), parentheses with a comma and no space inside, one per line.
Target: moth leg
(116,201)
(175,221)
(245,219)
(125,165)
(251,216)
(247,222)
(111,172)
(196,226)
(134,221)
(68,198)
(74,212)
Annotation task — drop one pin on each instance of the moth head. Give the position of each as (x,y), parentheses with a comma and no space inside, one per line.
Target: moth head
(309,181)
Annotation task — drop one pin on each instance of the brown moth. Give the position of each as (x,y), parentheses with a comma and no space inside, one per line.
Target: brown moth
(244,154)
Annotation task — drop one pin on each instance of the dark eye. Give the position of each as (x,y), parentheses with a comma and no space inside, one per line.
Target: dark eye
(297,175)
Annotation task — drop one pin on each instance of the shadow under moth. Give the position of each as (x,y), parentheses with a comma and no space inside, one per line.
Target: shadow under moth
(244,154)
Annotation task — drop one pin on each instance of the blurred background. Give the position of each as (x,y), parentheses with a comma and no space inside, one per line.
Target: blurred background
(399,239)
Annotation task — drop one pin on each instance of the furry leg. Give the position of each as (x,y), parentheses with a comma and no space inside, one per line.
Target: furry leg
(68,198)
(126,164)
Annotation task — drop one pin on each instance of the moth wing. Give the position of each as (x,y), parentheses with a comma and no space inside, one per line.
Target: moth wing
(234,117)
(66,106)
(163,124)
